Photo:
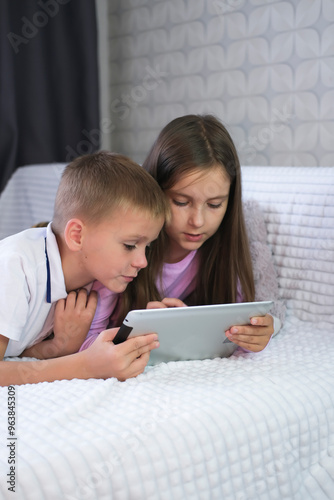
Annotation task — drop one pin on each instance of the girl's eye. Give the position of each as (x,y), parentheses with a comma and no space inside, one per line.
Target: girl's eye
(129,247)
(180,203)
(212,205)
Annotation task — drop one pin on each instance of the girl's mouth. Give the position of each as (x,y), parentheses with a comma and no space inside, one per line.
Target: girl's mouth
(193,237)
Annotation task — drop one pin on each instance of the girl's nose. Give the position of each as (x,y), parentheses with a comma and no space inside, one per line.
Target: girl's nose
(140,261)
(196,218)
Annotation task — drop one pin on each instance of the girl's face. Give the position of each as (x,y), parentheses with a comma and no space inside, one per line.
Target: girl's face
(198,201)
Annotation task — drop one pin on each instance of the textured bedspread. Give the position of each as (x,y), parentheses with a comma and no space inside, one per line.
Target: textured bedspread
(250,427)
(254,426)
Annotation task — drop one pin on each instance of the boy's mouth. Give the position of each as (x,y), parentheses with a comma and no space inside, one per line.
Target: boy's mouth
(129,278)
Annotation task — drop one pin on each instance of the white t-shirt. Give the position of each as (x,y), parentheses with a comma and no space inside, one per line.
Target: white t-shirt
(25,282)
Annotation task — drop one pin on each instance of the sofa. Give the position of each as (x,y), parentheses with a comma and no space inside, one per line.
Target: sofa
(254,426)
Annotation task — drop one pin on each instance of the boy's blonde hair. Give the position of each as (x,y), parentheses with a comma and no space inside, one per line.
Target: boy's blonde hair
(92,186)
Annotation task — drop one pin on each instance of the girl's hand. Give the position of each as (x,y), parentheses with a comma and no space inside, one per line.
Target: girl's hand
(253,337)
(166,302)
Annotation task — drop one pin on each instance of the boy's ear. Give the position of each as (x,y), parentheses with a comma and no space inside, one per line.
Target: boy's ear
(73,234)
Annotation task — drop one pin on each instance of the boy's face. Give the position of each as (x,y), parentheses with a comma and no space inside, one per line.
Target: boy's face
(113,251)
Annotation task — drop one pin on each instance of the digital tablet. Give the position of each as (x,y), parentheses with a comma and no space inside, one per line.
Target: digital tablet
(188,333)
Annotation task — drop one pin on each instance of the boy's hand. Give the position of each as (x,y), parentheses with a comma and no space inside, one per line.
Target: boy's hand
(166,302)
(253,337)
(122,361)
(72,319)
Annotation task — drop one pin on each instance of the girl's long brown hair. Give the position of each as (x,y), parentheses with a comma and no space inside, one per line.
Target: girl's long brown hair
(187,143)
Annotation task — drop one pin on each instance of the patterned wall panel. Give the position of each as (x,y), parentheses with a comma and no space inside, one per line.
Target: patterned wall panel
(265,68)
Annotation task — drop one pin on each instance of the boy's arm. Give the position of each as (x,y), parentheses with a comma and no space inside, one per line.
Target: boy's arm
(31,372)
(21,372)
(3,346)
(102,360)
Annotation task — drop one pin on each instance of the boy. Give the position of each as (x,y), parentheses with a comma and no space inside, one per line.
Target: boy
(107,210)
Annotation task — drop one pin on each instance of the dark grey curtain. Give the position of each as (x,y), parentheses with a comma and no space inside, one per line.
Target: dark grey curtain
(49,98)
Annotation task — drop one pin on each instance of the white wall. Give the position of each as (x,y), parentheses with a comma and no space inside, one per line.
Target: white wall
(264,67)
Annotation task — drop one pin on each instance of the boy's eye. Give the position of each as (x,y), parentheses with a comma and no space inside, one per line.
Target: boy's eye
(129,247)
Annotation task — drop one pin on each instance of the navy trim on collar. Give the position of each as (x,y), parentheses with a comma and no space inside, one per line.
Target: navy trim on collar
(48,279)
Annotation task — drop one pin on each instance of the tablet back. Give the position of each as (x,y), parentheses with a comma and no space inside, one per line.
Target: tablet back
(187,333)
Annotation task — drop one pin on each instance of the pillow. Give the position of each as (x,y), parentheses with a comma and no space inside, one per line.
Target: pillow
(298,207)
(265,274)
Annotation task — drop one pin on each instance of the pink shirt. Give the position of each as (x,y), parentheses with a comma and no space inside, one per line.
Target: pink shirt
(106,304)
(178,280)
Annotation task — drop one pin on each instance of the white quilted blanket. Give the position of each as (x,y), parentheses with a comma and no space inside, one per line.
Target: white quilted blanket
(251,427)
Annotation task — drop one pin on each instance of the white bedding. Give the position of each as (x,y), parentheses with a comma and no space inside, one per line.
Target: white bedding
(250,427)
(254,426)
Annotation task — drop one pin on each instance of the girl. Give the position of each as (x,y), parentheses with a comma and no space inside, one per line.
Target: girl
(202,255)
